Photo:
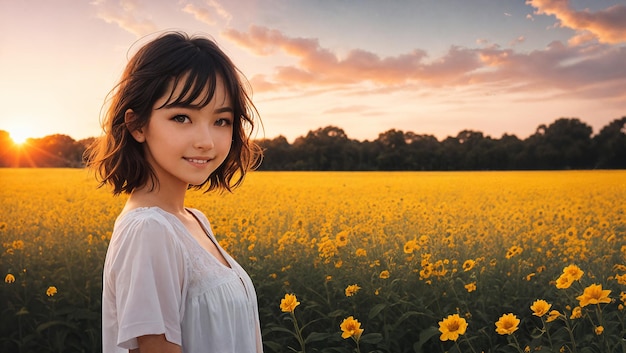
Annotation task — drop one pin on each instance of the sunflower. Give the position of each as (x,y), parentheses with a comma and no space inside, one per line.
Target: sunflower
(51,291)
(594,295)
(351,327)
(452,327)
(352,290)
(574,272)
(288,303)
(507,324)
(468,265)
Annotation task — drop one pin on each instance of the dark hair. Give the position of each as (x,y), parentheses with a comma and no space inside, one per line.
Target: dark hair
(195,63)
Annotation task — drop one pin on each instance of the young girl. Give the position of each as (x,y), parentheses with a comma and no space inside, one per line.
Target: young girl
(179,119)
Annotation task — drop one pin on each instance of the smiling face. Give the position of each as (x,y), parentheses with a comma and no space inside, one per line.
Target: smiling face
(184,144)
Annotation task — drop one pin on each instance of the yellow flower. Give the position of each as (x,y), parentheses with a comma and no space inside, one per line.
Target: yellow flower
(622,297)
(410,246)
(352,289)
(470,287)
(452,327)
(540,307)
(468,265)
(594,295)
(621,279)
(9,278)
(384,274)
(507,324)
(574,272)
(288,303)
(576,313)
(360,252)
(51,291)
(18,244)
(513,250)
(599,330)
(341,239)
(564,281)
(553,315)
(351,327)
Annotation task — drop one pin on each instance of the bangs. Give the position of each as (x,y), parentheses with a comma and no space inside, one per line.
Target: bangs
(194,88)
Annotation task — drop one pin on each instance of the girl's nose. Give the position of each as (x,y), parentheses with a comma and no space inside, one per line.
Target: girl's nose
(203,138)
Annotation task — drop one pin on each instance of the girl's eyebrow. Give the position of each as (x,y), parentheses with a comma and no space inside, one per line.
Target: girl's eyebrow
(224,110)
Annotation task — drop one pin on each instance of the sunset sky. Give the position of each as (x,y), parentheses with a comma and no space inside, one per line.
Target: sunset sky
(428,66)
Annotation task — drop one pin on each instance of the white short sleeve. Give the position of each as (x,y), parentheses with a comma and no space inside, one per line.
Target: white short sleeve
(143,280)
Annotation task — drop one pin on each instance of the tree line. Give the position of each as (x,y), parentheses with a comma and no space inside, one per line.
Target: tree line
(567,143)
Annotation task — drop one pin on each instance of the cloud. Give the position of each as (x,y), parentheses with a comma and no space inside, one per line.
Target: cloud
(122,13)
(518,40)
(318,65)
(209,14)
(568,69)
(608,25)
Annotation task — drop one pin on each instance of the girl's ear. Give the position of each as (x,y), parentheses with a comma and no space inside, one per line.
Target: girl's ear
(129,119)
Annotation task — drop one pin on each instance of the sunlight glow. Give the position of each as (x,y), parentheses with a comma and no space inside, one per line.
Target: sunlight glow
(19,137)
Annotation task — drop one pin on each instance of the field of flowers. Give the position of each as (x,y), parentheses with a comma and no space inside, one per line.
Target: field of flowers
(345,262)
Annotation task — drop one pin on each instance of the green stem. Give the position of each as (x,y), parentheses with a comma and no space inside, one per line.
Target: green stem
(571,335)
(601,323)
(298,332)
(517,344)
(545,328)
(468,343)
(358,348)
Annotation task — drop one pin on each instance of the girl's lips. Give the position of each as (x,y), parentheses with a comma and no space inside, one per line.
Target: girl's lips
(197,161)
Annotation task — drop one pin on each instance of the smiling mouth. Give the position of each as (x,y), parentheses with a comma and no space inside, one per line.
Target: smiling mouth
(197,161)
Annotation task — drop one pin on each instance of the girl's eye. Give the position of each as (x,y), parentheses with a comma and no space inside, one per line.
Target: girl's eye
(223,122)
(181,119)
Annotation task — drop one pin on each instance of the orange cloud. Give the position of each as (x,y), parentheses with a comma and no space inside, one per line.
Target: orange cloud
(570,69)
(122,13)
(208,14)
(318,65)
(608,25)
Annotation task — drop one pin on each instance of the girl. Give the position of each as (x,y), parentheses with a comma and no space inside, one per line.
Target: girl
(179,119)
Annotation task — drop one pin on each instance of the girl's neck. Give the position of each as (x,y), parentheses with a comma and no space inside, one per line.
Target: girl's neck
(168,199)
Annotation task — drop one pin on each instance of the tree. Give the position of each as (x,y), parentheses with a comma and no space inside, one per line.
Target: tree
(564,144)
(611,145)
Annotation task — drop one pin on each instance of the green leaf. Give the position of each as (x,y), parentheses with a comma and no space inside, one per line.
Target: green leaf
(376,310)
(371,338)
(425,336)
(47,325)
(316,337)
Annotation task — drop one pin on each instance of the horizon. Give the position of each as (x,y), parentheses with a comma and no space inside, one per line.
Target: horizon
(435,68)
(20,140)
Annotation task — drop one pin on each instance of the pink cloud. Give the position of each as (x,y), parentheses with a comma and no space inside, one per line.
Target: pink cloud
(608,25)
(122,13)
(209,14)
(518,40)
(572,69)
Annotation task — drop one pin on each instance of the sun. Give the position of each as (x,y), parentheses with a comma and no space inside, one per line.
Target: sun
(19,137)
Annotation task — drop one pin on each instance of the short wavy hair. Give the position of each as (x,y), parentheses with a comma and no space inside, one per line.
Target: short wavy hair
(195,63)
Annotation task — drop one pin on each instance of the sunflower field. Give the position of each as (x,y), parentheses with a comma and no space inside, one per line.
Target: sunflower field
(350,261)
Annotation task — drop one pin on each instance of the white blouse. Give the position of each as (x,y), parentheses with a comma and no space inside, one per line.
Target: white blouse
(159,280)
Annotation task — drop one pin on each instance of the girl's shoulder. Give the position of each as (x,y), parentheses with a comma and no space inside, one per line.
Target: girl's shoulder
(144,220)
(142,214)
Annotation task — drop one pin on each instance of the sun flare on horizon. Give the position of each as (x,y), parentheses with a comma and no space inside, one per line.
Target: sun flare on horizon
(19,137)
